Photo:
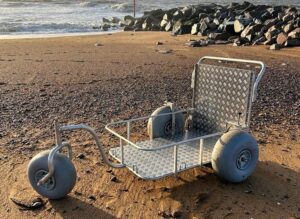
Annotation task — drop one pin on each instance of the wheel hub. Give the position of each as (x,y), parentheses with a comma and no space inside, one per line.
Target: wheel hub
(168,128)
(244,159)
(49,184)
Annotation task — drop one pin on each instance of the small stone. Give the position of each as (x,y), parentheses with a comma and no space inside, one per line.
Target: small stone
(92,197)
(278,203)
(164,189)
(77,193)
(248,191)
(98,44)
(164,214)
(177,214)
(80,156)
(114,179)
(275,46)
(159,43)
(165,51)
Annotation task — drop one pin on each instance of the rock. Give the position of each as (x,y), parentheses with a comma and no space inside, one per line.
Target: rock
(295,33)
(92,198)
(202,28)
(163,23)
(169,26)
(258,40)
(240,24)
(202,15)
(114,179)
(164,214)
(272,33)
(240,41)
(128,28)
(288,28)
(182,27)
(198,43)
(177,214)
(195,29)
(98,44)
(165,51)
(288,17)
(151,23)
(212,26)
(35,204)
(115,20)
(292,42)
(105,20)
(157,14)
(2,83)
(219,36)
(275,47)
(159,43)
(281,38)
(178,15)
(270,41)
(229,27)
(127,21)
(77,193)
(251,30)
(80,156)
(221,42)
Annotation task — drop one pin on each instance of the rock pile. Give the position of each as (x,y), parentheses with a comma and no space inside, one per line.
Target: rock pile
(238,23)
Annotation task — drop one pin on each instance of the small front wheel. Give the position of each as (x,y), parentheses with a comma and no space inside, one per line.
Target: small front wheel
(62,181)
(235,156)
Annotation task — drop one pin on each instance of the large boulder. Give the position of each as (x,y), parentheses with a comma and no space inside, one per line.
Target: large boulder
(282,38)
(169,26)
(182,27)
(295,34)
(292,42)
(251,30)
(219,36)
(241,24)
(195,29)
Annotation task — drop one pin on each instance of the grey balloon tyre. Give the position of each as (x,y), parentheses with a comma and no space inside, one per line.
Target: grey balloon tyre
(162,125)
(62,181)
(235,156)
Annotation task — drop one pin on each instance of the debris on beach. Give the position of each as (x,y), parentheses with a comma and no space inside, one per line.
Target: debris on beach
(34,205)
(241,24)
(98,44)
(164,51)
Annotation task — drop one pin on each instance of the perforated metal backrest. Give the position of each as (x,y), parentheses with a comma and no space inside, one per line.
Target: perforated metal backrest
(220,95)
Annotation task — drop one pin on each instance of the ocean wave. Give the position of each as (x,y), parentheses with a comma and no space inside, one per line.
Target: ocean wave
(127,7)
(6,28)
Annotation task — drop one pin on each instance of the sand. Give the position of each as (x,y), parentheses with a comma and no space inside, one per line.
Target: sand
(73,80)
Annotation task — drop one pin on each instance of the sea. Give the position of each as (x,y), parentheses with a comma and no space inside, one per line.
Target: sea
(75,17)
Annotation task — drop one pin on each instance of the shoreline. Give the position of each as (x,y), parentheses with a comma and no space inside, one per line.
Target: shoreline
(56,35)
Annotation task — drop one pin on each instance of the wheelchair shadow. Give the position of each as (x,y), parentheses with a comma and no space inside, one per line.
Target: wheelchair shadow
(270,192)
(71,207)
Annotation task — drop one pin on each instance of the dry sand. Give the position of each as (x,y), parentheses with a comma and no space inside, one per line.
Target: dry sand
(75,81)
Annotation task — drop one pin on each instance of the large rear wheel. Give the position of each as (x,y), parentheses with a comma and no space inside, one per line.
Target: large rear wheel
(235,156)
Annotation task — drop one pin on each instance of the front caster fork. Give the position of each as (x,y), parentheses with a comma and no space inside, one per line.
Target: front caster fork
(53,151)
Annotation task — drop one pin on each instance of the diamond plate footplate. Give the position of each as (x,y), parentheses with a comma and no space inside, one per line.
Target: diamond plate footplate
(220,95)
(160,163)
